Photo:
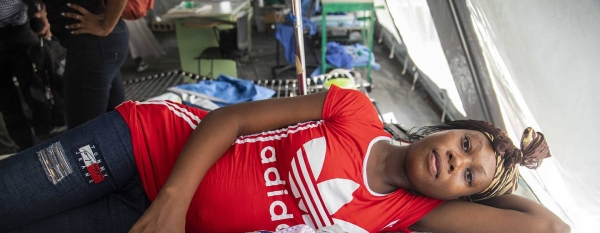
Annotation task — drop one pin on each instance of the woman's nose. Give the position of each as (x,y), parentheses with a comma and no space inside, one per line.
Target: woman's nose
(456,161)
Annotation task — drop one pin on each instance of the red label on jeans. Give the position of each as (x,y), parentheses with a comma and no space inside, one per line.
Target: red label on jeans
(95,173)
(91,163)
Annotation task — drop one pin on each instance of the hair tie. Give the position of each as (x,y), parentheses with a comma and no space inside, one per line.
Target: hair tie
(534,148)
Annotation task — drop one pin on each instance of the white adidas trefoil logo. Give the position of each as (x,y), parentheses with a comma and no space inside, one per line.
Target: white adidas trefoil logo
(334,193)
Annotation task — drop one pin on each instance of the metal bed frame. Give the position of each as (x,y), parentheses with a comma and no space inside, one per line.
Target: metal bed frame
(143,88)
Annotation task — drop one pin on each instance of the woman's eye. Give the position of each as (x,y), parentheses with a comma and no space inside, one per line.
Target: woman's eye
(469,177)
(466,144)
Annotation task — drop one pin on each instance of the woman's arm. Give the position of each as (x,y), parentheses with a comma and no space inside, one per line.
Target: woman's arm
(505,213)
(213,136)
(112,14)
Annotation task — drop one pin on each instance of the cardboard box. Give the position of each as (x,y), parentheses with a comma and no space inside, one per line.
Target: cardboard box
(274,16)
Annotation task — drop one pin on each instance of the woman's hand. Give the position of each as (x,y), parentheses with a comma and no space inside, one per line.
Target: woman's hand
(164,215)
(45,32)
(88,22)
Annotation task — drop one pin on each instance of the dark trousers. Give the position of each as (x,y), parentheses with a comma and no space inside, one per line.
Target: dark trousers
(14,42)
(7,145)
(92,78)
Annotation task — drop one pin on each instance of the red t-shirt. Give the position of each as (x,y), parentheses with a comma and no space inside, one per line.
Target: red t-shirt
(310,173)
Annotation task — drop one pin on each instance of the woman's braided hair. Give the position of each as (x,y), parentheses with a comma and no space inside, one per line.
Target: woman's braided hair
(533,150)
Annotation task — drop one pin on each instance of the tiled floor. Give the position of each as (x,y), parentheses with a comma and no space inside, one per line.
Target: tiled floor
(390,90)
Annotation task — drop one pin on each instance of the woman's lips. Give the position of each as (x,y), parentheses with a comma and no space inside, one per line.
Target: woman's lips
(434,164)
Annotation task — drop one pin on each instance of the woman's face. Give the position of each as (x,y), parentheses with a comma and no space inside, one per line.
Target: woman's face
(451,164)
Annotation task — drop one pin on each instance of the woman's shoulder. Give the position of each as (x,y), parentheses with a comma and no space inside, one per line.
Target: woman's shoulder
(349,103)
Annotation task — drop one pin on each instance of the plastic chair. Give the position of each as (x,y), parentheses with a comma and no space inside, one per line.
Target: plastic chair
(234,44)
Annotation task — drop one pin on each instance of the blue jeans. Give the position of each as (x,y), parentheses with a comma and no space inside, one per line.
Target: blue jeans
(92,78)
(84,180)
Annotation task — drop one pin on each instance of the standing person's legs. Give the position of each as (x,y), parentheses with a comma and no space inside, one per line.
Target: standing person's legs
(7,145)
(73,169)
(93,81)
(14,42)
(117,92)
(142,43)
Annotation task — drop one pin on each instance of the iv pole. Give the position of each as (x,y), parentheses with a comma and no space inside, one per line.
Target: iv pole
(299,45)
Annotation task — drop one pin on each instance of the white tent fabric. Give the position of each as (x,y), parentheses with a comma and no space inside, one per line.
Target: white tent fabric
(413,20)
(543,59)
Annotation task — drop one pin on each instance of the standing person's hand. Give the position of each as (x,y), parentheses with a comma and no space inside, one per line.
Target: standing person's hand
(88,23)
(42,16)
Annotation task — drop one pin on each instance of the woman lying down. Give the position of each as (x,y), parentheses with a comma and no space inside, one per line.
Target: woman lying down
(316,160)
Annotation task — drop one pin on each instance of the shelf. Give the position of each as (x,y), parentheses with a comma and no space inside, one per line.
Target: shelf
(346,7)
(329,6)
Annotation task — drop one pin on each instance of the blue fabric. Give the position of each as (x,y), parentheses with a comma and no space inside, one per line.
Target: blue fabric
(360,55)
(305,4)
(231,90)
(290,19)
(31,203)
(337,56)
(347,57)
(285,36)
(316,72)
(284,33)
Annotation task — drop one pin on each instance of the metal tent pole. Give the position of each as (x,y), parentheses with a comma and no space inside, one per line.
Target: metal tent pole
(299,36)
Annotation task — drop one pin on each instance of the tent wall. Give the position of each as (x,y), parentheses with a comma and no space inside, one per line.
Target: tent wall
(544,55)
(411,35)
(462,50)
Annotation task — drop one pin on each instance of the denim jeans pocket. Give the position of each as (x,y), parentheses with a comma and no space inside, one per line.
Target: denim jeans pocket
(114,49)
